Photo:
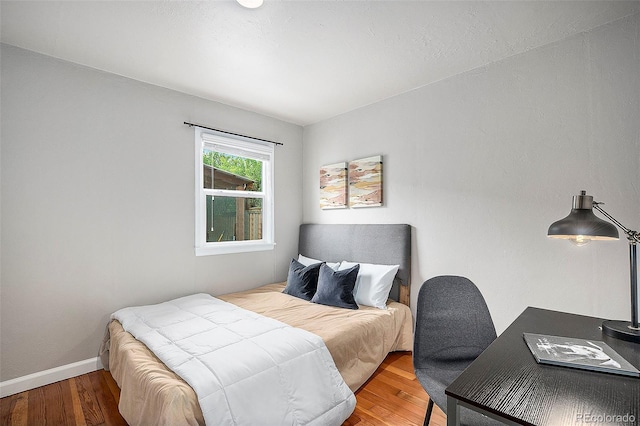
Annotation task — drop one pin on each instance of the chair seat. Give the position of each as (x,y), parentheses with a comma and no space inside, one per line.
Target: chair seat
(473,418)
(436,381)
(429,380)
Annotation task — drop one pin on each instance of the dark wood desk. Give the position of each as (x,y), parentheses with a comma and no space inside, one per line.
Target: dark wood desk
(505,381)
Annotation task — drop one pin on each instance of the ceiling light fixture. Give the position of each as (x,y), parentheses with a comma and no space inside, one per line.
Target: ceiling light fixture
(250,4)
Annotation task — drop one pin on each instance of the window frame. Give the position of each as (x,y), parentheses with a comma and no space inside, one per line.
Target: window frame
(244,147)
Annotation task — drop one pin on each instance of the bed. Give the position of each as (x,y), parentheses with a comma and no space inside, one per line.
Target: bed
(358,340)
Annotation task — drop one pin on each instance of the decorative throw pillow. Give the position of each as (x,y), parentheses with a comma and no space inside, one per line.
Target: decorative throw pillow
(373,283)
(310,261)
(335,288)
(302,280)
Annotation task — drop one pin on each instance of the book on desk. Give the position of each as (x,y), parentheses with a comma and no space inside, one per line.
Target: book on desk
(578,353)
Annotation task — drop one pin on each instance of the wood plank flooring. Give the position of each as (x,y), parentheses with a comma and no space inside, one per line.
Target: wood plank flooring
(87,400)
(391,397)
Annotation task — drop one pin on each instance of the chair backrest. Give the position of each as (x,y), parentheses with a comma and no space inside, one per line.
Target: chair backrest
(453,323)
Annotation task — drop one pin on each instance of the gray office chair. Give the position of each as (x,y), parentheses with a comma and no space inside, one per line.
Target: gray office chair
(453,327)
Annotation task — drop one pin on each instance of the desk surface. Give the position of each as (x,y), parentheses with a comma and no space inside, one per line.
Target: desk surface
(507,381)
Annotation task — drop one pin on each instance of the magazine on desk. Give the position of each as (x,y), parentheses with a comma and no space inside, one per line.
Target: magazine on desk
(578,353)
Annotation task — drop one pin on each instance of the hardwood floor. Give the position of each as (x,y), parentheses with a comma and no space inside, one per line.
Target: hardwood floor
(391,397)
(89,399)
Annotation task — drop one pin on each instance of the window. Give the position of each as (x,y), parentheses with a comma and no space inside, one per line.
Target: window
(234,194)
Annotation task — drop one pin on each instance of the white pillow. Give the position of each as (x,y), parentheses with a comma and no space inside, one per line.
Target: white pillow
(373,283)
(307,261)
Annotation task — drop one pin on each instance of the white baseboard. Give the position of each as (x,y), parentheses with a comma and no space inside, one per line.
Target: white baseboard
(46,377)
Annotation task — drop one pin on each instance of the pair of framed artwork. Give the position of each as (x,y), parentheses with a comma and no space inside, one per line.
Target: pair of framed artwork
(363,178)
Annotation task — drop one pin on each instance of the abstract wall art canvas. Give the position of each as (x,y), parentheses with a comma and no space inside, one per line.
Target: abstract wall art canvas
(333,186)
(365,182)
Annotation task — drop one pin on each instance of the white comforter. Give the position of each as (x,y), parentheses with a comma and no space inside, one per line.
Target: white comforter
(246,369)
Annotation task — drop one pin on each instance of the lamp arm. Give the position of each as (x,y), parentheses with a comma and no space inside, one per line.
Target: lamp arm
(632,236)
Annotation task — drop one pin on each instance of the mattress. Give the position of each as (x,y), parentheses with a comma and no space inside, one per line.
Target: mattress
(358,341)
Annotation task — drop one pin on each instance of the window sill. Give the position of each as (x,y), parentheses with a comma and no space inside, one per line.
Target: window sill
(234,247)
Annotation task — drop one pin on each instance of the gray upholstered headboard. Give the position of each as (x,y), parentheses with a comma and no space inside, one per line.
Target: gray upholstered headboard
(387,244)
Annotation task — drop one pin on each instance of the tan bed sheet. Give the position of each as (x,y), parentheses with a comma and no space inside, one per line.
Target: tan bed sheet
(358,341)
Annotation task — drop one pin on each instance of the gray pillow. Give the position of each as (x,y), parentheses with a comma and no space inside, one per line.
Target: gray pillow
(335,288)
(302,280)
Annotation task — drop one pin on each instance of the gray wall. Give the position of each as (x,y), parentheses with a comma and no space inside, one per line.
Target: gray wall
(483,162)
(98,205)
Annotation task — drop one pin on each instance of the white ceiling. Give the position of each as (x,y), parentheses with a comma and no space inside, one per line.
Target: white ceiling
(300,61)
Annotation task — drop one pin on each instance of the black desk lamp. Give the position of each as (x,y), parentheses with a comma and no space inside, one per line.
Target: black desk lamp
(582,226)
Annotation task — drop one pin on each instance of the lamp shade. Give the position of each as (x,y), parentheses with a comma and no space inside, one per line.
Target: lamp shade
(581,225)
